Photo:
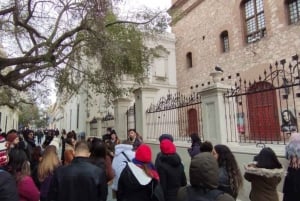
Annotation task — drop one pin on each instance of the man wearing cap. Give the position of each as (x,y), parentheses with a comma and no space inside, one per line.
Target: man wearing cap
(8,187)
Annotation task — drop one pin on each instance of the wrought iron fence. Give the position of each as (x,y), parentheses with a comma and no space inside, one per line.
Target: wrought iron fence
(175,114)
(131,117)
(265,111)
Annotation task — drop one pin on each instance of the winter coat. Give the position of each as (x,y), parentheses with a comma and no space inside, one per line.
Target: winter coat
(171,174)
(134,184)
(8,187)
(106,165)
(27,190)
(78,181)
(194,149)
(263,183)
(291,187)
(119,161)
(204,174)
(224,183)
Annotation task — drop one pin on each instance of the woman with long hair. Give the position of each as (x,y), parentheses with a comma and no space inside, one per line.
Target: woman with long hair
(99,157)
(46,167)
(19,167)
(230,177)
(264,174)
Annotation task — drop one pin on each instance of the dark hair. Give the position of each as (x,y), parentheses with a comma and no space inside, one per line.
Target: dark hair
(195,138)
(267,159)
(11,131)
(18,164)
(206,146)
(70,136)
(227,160)
(98,148)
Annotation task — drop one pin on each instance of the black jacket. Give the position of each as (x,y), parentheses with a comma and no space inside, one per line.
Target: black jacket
(8,187)
(129,188)
(171,174)
(79,181)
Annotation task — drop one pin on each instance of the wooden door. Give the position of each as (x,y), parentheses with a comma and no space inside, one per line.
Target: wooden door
(192,121)
(263,112)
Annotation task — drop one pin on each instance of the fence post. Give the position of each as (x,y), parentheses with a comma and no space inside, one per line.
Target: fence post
(120,108)
(144,96)
(213,113)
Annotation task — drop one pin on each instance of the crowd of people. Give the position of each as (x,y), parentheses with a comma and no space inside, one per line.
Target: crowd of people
(84,170)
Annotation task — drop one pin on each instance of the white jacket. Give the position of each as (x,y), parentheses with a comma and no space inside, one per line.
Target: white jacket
(119,161)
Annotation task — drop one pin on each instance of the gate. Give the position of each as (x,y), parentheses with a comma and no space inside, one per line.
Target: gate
(266,110)
(131,120)
(175,114)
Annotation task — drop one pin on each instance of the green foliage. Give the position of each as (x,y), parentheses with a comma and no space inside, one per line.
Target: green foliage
(78,42)
(28,113)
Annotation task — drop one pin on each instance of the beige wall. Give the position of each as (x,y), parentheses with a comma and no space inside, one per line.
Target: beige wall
(199,32)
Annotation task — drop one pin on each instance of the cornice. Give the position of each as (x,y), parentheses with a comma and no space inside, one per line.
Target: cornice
(176,8)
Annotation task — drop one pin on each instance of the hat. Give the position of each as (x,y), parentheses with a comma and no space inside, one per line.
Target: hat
(143,153)
(11,137)
(204,171)
(3,152)
(167,147)
(166,136)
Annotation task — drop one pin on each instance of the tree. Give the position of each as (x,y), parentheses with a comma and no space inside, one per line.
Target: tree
(56,38)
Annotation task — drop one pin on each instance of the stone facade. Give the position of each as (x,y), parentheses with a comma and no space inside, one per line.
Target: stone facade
(85,111)
(198,29)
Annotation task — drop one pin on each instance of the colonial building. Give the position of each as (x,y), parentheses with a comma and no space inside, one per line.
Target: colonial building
(87,113)
(255,43)
(9,117)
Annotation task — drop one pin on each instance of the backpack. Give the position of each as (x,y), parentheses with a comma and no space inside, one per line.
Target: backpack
(202,194)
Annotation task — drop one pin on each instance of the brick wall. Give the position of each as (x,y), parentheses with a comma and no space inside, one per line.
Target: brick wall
(198,31)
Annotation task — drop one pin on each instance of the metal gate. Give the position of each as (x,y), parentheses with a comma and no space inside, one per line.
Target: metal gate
(265,110)
(175,114)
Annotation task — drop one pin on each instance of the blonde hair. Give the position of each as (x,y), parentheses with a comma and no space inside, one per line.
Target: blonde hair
(48,163)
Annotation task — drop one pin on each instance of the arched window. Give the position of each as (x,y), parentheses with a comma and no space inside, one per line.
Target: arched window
(293,11)
(189,60)
(224,41)
(254,20)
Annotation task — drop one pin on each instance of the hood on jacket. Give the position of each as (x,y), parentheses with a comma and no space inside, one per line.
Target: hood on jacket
(171,159)
(204,171)
(119,148)
(277,172)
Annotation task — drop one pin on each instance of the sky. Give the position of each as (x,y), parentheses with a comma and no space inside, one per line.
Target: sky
(162,4)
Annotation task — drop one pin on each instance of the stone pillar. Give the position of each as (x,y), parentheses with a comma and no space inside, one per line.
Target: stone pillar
(213,113)
(144,96)
(121,106)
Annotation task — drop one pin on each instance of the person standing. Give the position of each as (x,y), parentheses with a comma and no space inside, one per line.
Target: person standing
(170,170)
(264,174)
(291,187)
(230,177)
(80,180)
(8,187)
(204,173)
(139,178)
(135,138)
(19,167)
(123,154)
(195,147)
